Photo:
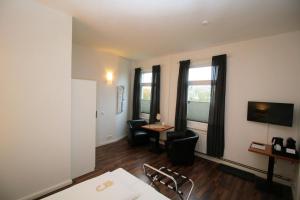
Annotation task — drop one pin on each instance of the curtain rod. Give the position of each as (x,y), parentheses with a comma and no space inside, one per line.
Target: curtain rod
(195,60)
(200,59)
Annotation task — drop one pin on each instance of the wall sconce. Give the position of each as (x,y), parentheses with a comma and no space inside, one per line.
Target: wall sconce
(109,77)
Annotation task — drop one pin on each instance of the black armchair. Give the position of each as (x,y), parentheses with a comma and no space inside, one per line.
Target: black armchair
(136,134)
(181,146)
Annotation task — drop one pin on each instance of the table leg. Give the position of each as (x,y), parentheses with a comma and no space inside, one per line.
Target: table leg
(270,170)
(264,185)
(155,148)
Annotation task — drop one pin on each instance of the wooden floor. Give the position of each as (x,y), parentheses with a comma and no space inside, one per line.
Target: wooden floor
(210,182)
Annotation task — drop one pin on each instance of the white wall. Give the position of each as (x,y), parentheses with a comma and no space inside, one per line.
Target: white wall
(83,127)
(35,85)
(90,64)
(263,69)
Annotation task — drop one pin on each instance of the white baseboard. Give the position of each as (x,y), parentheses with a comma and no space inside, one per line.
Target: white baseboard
(259,174)
(112,140)
(46,190)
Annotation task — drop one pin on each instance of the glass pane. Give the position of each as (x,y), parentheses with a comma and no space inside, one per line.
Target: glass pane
(199,93)
(147,77)
(145,99)
(198,111)
(198,103)
(145,106)
(200,74)
(146,93)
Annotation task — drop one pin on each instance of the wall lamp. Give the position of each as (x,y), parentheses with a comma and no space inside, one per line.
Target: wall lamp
(109,77)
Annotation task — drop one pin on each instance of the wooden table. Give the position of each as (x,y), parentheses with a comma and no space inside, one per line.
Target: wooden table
(155,130)
(157,127)
(272,157)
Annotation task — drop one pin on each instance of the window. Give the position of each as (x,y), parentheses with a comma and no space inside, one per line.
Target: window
(146,92)
(199,94)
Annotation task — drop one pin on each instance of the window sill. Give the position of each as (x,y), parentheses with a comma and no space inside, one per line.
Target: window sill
(145,116)
(201,126)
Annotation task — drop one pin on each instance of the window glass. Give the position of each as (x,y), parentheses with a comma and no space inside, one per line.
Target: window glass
(198,111)
(200,73)
(145,106)
(146,77)
(199,94)
(146,92)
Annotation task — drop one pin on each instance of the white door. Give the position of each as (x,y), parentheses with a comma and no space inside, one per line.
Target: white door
(106,106)
(83,127)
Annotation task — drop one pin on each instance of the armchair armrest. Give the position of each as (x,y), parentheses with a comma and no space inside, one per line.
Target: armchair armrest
(136,124)
(189,140)
(182,150)
(136,134)
(172,135)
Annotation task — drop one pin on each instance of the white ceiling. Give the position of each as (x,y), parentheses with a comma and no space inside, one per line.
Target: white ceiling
(139,29)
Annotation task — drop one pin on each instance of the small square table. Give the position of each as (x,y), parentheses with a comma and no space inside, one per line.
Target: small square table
(156,129)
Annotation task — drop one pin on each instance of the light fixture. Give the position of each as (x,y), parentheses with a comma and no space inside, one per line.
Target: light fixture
(109,77)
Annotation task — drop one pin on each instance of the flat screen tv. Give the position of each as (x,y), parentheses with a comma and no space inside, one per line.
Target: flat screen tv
(272,113)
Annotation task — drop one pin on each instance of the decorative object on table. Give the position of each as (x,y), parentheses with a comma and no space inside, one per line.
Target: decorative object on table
(290,143)
(171,179)
(120,98)
(291,147)
(137,135)
(257,145)
(158,117)
(181,146)
(289,150)
(277,143)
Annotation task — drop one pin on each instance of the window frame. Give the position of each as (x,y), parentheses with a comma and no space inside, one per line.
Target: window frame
(197,125)
(144,115)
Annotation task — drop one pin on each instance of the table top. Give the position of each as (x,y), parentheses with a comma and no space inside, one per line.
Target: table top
(157,127)
(268,152)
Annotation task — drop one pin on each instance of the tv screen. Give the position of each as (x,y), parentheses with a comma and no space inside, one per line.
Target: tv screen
(273,113)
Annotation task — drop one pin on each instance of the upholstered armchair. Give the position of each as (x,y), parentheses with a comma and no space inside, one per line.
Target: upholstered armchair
(137,135)
(181,146)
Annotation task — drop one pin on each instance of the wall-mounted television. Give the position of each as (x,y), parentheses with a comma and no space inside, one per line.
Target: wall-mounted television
(272,113)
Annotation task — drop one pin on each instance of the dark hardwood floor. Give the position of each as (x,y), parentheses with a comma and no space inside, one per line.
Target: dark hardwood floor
(210,182)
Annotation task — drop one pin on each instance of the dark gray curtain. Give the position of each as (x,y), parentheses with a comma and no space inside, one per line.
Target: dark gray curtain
(182,92)
(155,94)
(136,94)
(215,131)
